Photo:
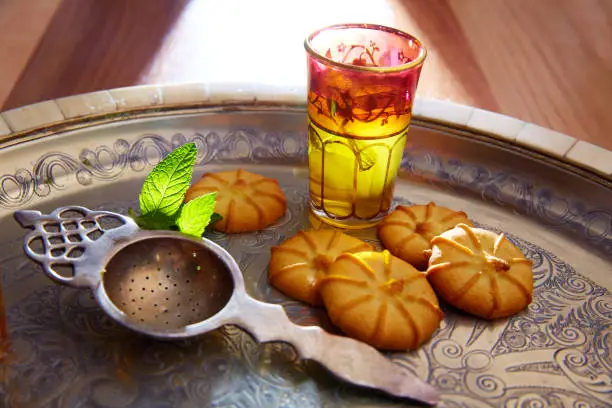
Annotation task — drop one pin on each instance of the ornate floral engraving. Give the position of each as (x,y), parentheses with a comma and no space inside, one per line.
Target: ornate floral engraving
(105,163)
(506,189)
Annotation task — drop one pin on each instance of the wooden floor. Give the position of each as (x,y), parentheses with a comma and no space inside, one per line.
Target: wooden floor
(543,61)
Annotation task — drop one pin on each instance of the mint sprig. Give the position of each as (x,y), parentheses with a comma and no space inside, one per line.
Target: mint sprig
(164,188)
(195,215)
(163,194)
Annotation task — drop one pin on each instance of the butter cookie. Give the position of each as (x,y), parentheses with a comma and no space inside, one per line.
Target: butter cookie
(381,300)
(298,264)
(407,231)
(480,272)
(246,201)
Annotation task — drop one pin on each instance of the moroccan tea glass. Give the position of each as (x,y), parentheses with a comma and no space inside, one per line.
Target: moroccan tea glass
(362,81)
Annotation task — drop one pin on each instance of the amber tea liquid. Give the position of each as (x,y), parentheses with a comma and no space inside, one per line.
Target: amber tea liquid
(352,178)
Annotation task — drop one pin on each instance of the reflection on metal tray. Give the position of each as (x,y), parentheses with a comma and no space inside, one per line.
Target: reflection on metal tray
(66,352)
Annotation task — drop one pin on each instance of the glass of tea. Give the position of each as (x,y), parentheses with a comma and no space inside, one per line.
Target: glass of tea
(362,80)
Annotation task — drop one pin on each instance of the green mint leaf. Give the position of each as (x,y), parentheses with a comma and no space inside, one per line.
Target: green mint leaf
(155,222)
(164,188)
(132,213)
(151,221)
(334,108)
(215,218)
(196,214)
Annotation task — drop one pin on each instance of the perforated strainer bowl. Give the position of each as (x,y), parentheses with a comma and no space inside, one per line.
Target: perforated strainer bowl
(169,285)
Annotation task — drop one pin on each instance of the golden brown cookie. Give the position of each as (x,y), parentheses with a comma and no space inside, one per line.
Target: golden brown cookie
(480,272)
(246,201)
(299,263)
(407,231)
(381,300)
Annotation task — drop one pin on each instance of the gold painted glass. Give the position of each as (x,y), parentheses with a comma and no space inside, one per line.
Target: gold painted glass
(361,84)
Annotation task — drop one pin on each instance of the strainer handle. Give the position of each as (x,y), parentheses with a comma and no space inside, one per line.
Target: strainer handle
(348,359)
(74,237)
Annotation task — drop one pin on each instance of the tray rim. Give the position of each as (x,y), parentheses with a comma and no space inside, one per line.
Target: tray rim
(38,120)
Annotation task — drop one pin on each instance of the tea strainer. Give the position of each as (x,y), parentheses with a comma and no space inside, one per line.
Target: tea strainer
(169,285)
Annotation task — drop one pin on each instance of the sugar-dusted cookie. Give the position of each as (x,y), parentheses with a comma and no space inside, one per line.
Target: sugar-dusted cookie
(298,264)
(246,201)
(480,272)
(407,231)
(381,300)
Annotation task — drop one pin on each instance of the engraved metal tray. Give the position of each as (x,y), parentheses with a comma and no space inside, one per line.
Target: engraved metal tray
(66,352)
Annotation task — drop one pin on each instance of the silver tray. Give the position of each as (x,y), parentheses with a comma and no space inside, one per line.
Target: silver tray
(66,353)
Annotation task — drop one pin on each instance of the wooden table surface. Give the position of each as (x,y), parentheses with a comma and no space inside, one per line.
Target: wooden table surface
(544,61)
